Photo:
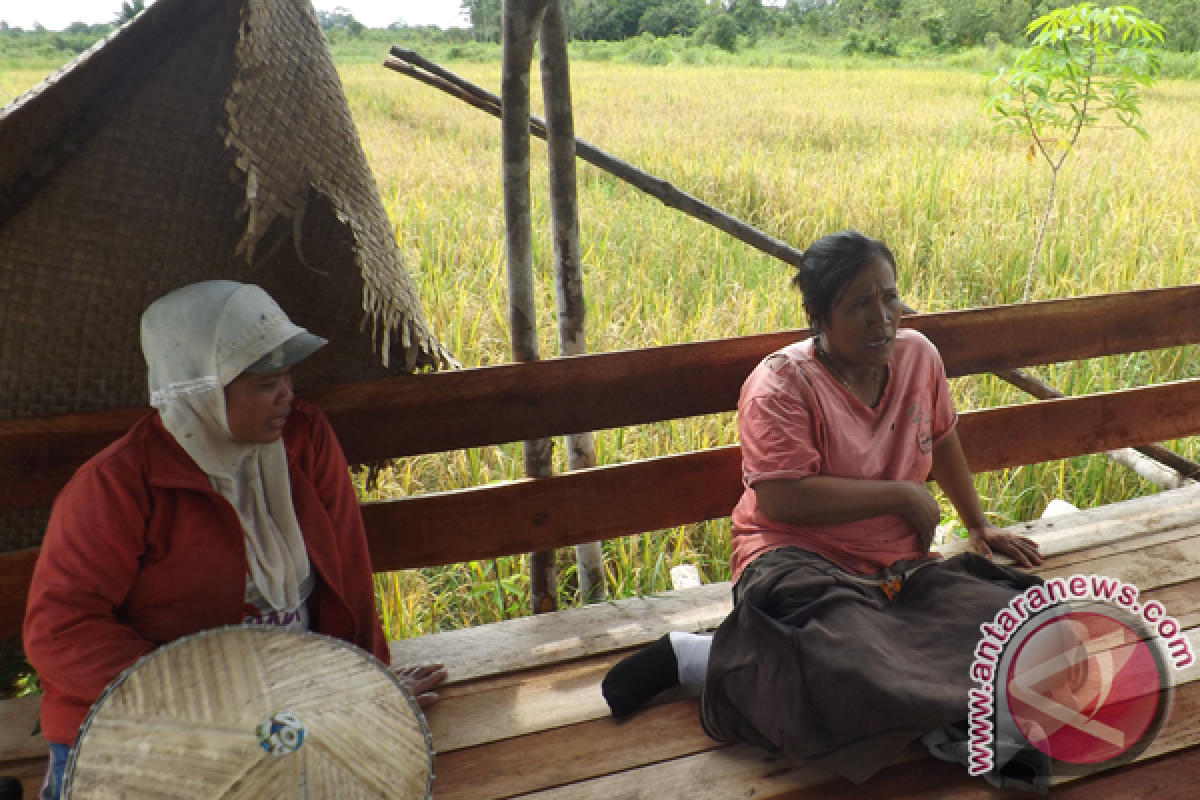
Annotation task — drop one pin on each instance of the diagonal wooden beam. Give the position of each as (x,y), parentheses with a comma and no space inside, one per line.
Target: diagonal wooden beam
(1186,468)
(407,62)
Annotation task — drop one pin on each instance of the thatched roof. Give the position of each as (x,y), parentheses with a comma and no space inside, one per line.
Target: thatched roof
(204,139)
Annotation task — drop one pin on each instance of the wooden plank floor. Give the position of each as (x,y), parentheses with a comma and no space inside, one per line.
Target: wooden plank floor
(544,732)
(522,714)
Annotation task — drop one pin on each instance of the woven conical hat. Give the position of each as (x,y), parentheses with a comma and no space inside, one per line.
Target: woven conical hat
(246,713)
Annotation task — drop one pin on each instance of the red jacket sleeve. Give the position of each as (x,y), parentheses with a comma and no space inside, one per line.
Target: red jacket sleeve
(331,478)
(87,566)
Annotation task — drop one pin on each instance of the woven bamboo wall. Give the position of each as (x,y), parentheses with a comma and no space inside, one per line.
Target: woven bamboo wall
(220,146)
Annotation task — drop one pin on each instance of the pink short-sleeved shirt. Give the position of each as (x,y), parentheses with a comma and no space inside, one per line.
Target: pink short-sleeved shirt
(796,420)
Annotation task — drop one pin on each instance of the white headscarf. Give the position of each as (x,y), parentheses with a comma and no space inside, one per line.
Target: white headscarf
(196,341)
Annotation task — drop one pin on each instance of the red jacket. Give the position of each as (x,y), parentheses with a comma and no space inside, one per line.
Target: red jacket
(140,551)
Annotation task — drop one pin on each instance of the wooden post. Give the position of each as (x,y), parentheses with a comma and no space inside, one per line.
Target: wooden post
(520,25)
(568,258)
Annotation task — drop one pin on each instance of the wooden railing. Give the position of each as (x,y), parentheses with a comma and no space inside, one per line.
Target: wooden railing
(494,405)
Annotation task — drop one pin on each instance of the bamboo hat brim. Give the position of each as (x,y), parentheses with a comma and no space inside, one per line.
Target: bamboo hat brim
(244,713)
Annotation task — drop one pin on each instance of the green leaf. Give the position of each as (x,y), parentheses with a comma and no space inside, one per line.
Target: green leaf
(1084,62)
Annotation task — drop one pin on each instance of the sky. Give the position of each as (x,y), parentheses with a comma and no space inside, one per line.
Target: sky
(58,14)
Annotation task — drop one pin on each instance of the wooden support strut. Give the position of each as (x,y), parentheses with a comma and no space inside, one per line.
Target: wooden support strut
(1162,474)
(407,62)
(1185,469)
(614,501)
(521,21)
(568,256)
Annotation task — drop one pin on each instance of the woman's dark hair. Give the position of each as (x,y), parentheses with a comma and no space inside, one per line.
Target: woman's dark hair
(830,263)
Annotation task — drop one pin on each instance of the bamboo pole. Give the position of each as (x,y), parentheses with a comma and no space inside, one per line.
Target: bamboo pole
(1155,463)
(520,24)
(568,257)
(407,63)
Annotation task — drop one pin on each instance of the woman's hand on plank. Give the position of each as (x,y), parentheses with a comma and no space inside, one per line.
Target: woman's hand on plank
(987,539)
(419,681)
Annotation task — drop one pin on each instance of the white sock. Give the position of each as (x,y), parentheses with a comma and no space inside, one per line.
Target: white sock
(691,655)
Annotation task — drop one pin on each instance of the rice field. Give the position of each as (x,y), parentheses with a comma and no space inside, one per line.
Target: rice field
(905,155)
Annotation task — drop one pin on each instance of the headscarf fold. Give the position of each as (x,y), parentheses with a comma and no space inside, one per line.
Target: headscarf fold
(196,341)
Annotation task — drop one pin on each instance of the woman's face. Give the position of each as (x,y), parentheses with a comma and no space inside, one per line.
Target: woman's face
(257,405)
(860,330)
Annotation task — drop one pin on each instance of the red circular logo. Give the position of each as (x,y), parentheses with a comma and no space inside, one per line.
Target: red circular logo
(1085,688)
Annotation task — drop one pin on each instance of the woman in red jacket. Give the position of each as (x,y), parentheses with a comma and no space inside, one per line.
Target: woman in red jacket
(231,505)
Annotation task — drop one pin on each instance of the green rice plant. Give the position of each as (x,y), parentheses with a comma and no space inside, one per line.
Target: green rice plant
(902,154)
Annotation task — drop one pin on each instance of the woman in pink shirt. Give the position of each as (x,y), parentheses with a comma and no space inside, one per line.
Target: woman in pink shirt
(840,432)
(848,639)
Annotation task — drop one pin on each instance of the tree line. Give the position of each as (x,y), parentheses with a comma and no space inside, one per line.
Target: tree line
(877,26)
(936,23)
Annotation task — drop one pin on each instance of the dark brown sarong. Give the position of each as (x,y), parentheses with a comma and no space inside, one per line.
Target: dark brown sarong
(822,666)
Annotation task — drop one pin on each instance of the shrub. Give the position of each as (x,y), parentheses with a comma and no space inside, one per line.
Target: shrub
(853,42)
(721,31)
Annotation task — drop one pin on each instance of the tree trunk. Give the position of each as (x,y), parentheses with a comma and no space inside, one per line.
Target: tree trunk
(520,24)
(1041,234)
(568,259)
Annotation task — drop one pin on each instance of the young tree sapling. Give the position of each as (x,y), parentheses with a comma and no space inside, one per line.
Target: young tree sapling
(1085,63)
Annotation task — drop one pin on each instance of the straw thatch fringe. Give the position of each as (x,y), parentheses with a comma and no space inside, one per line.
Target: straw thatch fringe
(315,146)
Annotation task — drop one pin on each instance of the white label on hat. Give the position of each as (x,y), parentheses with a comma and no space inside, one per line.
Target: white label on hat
(281,733)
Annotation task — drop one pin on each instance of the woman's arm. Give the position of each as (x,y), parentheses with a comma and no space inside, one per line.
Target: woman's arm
(951,473)
(87,567)
(332,481)
(826,500)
